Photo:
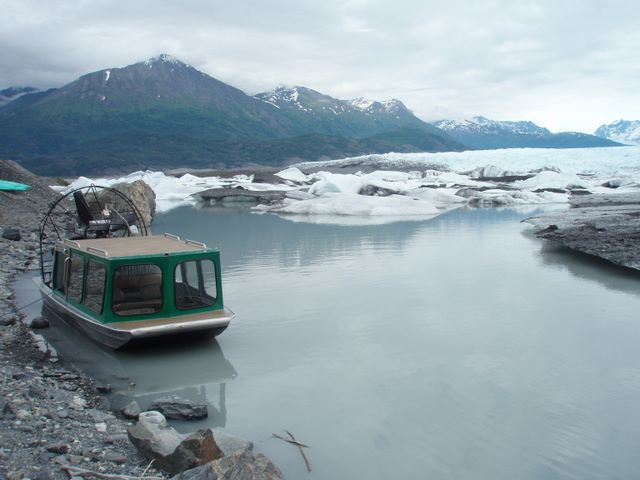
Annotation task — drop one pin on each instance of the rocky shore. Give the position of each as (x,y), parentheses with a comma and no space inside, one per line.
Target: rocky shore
(602,225)
(52,419)
(55,422)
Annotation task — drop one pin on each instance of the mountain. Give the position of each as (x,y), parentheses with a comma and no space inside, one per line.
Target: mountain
(482,133)
(357,118)
(165,113)
(622,131)
(10,94)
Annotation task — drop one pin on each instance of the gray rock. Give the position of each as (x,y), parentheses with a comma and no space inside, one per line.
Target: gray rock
(58,448)
(373,191)
(104,388)
(179,408)
(115,458)
(99,416)
(42,475)
(113,439)
(140,194)
(11,234)
(229,195)
(203,472)
(239,466)
(39,322)
(7,320)
(131,410)
(231,444)
(171,451)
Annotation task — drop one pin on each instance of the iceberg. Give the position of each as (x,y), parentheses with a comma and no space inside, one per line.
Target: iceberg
(413,186)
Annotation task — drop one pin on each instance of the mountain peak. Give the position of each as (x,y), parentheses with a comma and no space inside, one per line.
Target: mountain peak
(484,125)
(623,131)
(163,58)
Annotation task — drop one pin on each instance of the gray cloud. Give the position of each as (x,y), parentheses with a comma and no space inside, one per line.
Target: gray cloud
(566,64)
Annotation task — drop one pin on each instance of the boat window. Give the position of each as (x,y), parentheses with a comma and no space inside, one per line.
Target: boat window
(195,284)
(58,278)
(137,290)
(76,279)
(94,286)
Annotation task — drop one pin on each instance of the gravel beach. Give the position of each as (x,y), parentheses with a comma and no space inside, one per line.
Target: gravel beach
(54,423)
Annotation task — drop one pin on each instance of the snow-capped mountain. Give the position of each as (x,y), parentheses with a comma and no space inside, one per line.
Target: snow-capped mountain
(10,94)
(483,133)
(355,118)
(622,131)
(164,112)
(306,99)
(486,126)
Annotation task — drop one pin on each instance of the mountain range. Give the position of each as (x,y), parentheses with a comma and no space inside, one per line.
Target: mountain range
(482,133)
(623,131)
(163,113)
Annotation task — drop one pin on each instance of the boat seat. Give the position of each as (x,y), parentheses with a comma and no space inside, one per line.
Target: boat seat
(137,294)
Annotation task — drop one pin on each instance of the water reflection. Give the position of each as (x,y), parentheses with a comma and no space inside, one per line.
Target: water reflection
(195,369)
(590,268)
(450,348)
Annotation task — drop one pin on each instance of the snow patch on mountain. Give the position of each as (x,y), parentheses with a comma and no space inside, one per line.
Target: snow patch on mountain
(485,125)
(361,103)
(283,96)
(623,131)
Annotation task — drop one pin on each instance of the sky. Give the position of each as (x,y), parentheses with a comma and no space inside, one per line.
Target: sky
(564,64)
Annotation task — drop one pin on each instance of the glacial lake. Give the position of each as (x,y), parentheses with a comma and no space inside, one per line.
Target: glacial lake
(454,348)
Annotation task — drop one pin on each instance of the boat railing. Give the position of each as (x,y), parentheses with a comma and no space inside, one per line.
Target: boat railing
(98,250)
(171,235)
(71,243)
(193,242)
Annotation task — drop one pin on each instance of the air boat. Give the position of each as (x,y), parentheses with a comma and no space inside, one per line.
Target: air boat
(103,273)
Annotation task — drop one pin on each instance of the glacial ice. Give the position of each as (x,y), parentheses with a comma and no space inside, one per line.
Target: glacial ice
(414,188)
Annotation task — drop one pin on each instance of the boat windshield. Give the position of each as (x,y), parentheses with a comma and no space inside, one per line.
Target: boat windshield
(137,290)
(195,284)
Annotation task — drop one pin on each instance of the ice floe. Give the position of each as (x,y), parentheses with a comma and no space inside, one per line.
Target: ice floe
(418,186)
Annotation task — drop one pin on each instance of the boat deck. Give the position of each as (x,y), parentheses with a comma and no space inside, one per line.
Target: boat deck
(136,246)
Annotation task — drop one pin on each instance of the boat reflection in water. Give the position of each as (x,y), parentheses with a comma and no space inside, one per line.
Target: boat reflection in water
(196,370)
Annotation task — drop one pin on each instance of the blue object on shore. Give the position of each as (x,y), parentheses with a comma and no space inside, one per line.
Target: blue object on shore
(13,186)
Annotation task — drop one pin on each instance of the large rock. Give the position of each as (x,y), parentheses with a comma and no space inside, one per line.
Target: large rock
(231,444)
(131,410)
(11,234)
(140,194)
(239,466)
(170,450)
(179,408)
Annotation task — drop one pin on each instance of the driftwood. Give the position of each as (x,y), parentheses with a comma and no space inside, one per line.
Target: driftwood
(81,472)
(300,446)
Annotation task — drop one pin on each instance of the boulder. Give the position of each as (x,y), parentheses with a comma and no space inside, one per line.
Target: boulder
(7,320)
(11,234)
(170,450)
(231,444)
(239,466)
(140,194)
(131,410)
(39,322)
(179,408)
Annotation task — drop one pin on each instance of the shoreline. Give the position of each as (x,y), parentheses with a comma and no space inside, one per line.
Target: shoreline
(52,416)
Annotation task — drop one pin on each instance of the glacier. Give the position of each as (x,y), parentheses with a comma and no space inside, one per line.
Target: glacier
(399,187)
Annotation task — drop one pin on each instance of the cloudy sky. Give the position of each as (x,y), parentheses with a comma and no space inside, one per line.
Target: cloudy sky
(565,64)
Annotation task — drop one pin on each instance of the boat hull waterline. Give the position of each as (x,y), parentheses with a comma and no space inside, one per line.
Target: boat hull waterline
(117,336)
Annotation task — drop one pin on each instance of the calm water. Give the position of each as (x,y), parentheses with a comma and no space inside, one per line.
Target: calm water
(453,348)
